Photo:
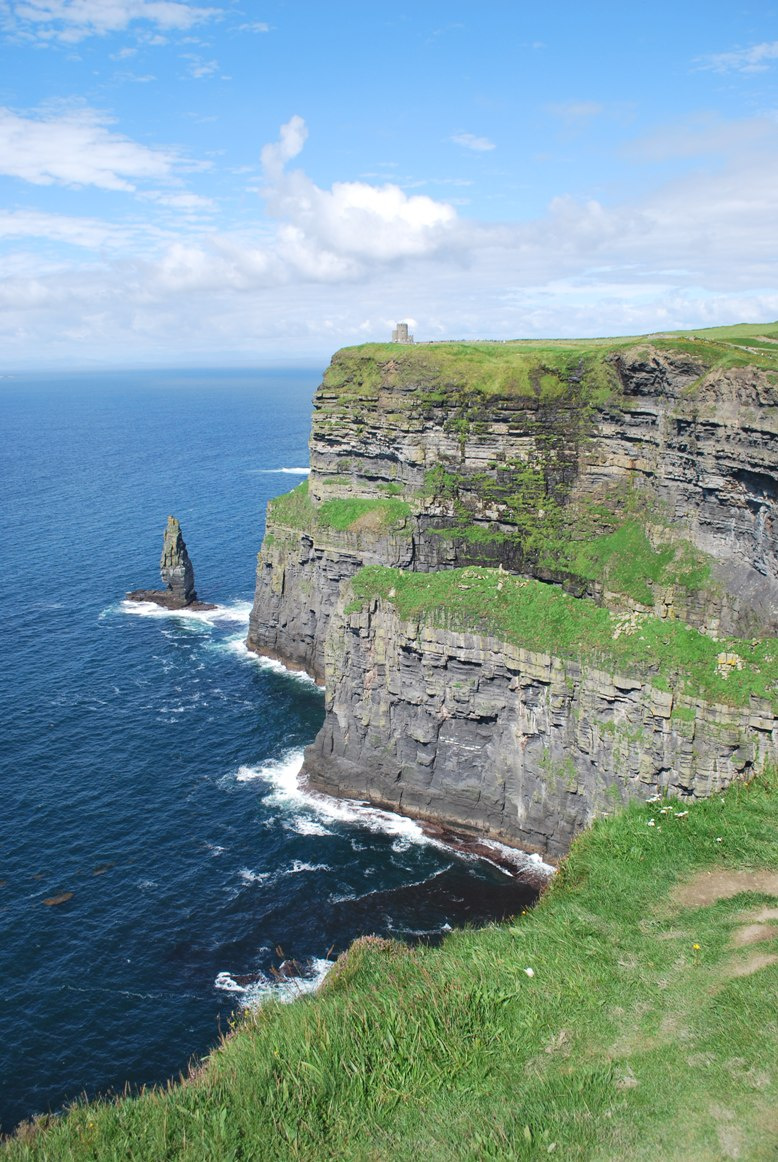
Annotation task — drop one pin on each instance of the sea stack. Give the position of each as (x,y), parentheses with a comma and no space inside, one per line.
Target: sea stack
(177,573)
(175,566)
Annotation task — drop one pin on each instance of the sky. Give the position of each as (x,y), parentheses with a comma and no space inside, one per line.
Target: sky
(243,182)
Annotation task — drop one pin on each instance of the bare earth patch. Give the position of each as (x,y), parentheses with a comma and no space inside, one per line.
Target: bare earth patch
(709,886)
(753,934)
(759,915)
(753,964)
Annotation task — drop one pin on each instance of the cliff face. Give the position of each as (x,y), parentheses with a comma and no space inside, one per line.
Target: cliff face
(641,479)
(299,577)
(529,748)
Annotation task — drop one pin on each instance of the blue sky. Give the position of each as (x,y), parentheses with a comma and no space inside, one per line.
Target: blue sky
(240,181)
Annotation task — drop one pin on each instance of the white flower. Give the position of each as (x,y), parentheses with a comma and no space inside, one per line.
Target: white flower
(651,823)
(530,971)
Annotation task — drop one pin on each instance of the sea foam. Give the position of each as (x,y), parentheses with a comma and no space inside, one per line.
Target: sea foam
(273,471)
(236,611)
(288,791)
(284,989)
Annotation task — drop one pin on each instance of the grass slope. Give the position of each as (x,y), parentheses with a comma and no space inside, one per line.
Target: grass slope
(294,510)
(647,1028)
(543,618)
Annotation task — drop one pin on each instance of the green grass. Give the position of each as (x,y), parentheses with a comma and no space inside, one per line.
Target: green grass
(543,618)
(295,510)
(627,562)
(437,370)
(344,514)
(634,1037)
(550,370)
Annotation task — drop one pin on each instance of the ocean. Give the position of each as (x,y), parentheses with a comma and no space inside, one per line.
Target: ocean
(149,762)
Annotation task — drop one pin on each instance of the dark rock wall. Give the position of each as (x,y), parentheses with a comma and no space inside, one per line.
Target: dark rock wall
(479,734)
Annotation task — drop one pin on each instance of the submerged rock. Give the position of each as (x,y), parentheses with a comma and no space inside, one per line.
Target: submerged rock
(176,571)
(61,898)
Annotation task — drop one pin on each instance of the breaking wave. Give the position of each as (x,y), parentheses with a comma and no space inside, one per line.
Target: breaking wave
(263,987)
(236,611)
(289,792)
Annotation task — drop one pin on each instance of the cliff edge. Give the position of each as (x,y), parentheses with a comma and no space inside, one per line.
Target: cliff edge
(537,580)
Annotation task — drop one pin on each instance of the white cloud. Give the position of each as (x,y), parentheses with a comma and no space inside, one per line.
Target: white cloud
(199,68)
(74,20)
(331,265)
(87,232)
(332,233)
(470,141)
(755,59)
(274,156)
(699,135)
(254,26)
(74,149)
(193,203)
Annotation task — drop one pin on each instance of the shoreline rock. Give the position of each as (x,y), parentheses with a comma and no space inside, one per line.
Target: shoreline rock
(168,600)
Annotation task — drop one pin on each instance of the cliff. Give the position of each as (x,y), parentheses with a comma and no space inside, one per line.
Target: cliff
(634,481)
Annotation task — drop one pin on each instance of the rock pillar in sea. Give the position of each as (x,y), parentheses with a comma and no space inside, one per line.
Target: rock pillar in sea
(175,566)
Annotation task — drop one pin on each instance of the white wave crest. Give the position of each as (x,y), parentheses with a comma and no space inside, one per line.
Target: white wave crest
(522,860)
(284,989)
(251,877)
(271,878)
(236,611)
(304,826)
(289,792)
(273,471)
(225,983)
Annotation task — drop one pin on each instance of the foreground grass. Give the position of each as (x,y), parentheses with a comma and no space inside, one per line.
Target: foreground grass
(543,618)
(647,1028)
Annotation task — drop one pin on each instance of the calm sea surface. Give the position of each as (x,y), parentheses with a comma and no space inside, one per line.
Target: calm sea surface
(148,762)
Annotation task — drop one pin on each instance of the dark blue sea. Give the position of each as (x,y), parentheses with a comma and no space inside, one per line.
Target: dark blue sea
(149,762)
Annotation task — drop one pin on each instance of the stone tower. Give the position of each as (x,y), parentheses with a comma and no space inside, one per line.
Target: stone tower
(400,334)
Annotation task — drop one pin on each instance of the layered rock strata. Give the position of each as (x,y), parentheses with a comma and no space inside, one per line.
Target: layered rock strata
(519,745)
(494,474)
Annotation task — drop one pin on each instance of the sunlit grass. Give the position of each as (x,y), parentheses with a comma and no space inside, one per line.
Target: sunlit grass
(634,1035)
(540,617)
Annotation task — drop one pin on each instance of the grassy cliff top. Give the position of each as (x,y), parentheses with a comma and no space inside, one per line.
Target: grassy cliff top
(630,1014)
(542,618)
(532,366)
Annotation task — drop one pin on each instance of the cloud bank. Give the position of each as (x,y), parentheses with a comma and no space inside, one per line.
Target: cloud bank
(324,266)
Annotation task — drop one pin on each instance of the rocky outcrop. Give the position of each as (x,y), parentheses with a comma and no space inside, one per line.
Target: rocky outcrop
(177,572)
(299,577)
(174,565)
(518,745)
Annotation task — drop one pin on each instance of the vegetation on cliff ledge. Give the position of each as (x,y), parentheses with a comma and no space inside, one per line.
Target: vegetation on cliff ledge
(631,1014)
(295,510)
(543,618)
